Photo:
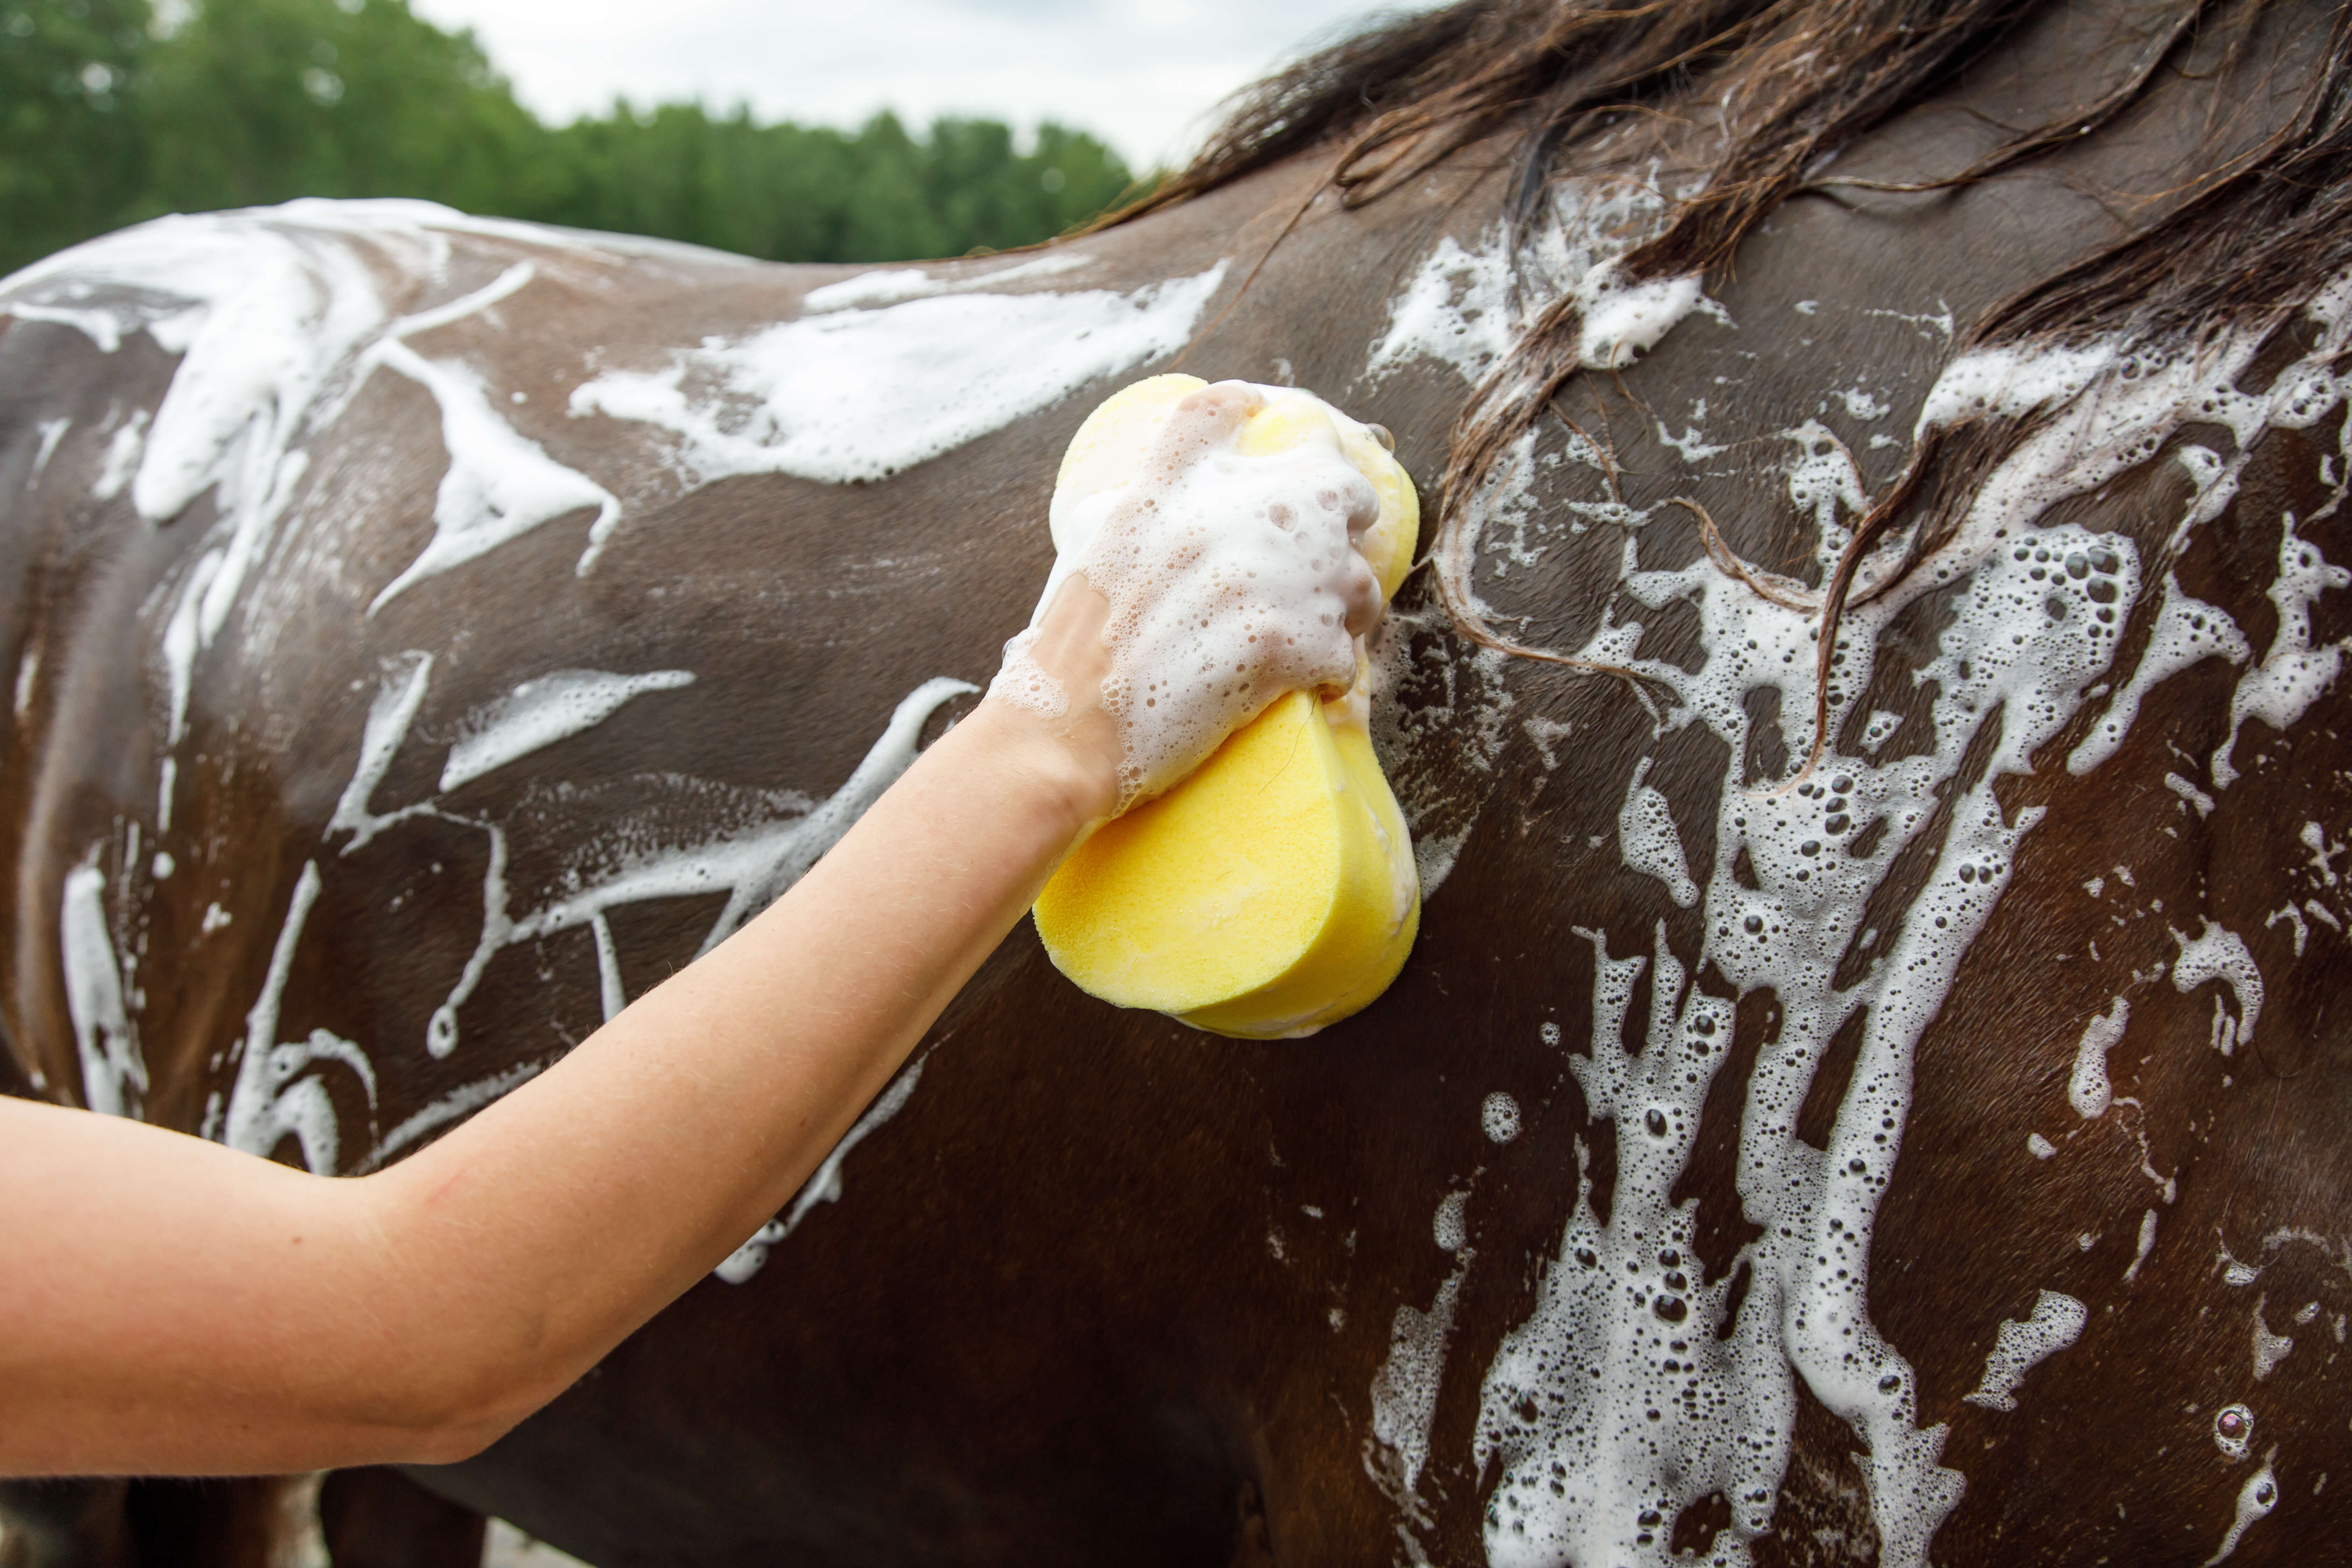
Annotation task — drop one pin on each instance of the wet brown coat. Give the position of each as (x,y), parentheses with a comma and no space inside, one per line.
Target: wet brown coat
(1109,1290)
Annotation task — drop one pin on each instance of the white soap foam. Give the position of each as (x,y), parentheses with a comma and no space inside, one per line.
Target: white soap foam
(267,315)
(2293,674)
(405,678)
(1499,1116)
(2056,1322)
(1634,1401)
(2089,1091)
(612,995)
(2010,380)
(1470,305)
(2296,922)
(1208,556)
(279,316)
(1433,858)
(890,285)
(53,431)
(2323,853)
(2146,1245)
(454,1106)
(1021,680)
(2255,1500)
(537,713)
(2190,793)
(823,1186)
(2269,1348)
(1647,839)
(2233,1430)
(1624,321)
(1404,1389)
(275,1095)
(1456,308)
(114,1071)
(100,327)
(122,454)
(2218,953)
(753,868)
(2037,617)
(2003,652)
(1860,404)
(2187,631)
(861,395)
(500,485)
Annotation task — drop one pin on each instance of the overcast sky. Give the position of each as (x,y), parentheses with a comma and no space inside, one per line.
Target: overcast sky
(1141,73)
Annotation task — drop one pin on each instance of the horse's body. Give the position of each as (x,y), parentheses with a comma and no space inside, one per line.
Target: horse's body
(1590,1241)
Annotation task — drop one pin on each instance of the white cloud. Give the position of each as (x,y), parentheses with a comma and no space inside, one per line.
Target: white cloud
(1142,74)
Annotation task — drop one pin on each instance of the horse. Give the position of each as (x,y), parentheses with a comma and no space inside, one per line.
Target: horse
(1869,716)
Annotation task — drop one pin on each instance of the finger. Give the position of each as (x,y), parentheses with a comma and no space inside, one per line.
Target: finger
(1201,420)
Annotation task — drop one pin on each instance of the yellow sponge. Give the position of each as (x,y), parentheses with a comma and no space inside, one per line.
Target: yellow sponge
(1273,891)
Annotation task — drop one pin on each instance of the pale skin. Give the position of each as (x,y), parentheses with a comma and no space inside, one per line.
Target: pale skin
(170,1307)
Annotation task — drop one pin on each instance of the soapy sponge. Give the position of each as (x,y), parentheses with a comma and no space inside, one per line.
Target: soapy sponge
(1273,890)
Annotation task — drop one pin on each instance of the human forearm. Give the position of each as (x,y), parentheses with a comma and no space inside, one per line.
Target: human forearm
(720,1091)
(415,1314)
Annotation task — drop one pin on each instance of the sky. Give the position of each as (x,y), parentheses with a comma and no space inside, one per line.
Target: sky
(1143,75)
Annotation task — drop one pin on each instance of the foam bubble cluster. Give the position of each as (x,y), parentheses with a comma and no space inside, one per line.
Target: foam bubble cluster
(1024,682)
(1637,1386)
(1233,577)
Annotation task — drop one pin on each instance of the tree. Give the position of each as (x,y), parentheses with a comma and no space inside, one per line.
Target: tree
(72,151)
(251,102)
(109,118)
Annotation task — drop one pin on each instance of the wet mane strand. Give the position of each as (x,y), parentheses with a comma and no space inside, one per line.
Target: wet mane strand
(1785,85)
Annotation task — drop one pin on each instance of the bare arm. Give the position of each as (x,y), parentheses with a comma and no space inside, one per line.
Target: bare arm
(417,1313)
(169,1306)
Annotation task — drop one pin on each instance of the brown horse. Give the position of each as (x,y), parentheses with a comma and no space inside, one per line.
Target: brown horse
(1870,728)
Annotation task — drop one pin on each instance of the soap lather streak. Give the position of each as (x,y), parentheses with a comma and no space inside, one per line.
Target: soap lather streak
(2056,1322)
(113,1072)
(2038,616)
(823,1186)
(539,712)
(927,375)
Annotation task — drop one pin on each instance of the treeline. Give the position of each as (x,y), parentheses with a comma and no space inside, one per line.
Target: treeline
(115,110)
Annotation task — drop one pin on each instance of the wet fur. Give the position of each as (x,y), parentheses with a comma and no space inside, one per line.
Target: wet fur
(1070,1309)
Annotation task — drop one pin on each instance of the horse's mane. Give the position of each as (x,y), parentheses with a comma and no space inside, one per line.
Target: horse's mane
(1781,87)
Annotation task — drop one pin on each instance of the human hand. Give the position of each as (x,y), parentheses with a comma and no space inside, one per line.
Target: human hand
(1190,597)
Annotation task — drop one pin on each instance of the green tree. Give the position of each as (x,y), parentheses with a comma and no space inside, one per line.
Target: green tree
(893,208)
(1079,177)
(107,117)
(72,150)
(252,101)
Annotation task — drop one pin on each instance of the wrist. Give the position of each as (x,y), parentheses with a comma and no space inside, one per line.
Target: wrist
(1070,772)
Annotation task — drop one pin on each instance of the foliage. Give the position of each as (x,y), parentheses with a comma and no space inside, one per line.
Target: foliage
(71,146)
(114,110)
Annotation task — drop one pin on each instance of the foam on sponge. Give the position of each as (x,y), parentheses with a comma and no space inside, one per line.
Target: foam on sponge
(1272,891)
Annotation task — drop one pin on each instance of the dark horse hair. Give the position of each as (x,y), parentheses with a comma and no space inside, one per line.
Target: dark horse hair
(1780,87)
